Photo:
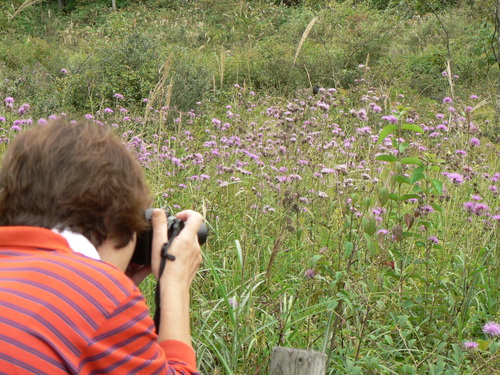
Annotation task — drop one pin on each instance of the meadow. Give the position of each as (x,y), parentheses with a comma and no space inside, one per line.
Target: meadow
(362,220)
(343,222)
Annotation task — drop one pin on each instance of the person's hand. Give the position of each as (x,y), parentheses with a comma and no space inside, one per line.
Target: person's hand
(176,279)
(185,248)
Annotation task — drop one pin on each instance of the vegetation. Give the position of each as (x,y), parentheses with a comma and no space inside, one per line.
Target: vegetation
(362,221)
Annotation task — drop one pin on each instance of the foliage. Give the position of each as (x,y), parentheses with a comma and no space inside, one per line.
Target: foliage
(212,45)
(338,222)
(361,221)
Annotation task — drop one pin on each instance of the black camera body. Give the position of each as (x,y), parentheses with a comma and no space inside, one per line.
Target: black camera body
(143,246)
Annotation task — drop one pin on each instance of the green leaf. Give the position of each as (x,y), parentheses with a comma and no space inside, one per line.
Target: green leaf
(413,127)
(438,185)
(412,160)
(314,259)
(426,224)
(437,207)
(394,142)
(402,180)
(366,203)
(385,132)
(349,247)
(383,196)
(372,246)
(388,339)
(483,344)
(402,147)
(389,158)
(369,225)
(417,175)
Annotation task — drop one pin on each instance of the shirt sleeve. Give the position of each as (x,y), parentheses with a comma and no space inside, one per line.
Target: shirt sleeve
(126,343)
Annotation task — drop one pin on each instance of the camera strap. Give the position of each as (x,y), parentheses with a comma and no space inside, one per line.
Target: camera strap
(164,257)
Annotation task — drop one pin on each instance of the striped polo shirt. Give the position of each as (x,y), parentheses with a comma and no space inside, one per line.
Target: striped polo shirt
(64,313)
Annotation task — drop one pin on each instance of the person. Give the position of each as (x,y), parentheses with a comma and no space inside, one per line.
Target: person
(72,199)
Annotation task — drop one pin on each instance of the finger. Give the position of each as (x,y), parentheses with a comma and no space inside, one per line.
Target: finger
(192,220)
(160,228)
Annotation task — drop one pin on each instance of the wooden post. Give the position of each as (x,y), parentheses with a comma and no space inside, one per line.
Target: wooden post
(289,361)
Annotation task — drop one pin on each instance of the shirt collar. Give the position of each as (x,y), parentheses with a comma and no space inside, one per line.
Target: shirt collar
(40,238)
(78,243)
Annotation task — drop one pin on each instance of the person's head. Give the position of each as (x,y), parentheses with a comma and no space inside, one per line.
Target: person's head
(77,176)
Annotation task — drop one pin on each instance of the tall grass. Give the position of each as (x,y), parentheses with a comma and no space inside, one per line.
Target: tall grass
(362,221)
(349,222)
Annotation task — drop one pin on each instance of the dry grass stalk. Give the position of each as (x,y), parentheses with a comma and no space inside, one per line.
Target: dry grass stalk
(160,91)
(304,37)
(24,5)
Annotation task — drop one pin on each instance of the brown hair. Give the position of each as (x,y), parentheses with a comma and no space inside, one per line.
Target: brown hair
(73,175)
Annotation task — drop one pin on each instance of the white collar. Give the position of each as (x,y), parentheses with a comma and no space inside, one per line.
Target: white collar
(78,243)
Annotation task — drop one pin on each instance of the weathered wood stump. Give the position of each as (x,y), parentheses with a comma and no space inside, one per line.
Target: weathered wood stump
(289,361)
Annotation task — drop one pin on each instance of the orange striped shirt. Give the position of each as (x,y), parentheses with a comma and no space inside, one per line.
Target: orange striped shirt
(64,313)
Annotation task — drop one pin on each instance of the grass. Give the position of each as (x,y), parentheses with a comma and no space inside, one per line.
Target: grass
(362,221)
(383,253)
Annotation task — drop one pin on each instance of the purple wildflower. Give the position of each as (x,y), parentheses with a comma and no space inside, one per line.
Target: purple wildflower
(309,274)
(433,239)
(23,109)
(391,118)
(469,206)
(474,141)
(455,178)
(492,329)
(447,100)
(480,208)
(470,345)
(118,96)
(233,302)
(426,209)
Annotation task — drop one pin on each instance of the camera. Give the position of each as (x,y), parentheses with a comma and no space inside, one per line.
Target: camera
(143,247)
